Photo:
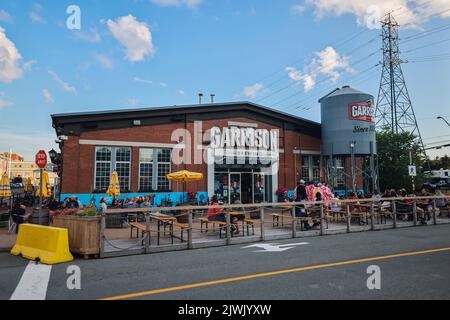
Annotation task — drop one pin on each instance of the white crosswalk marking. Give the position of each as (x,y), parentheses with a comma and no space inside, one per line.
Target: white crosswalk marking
(34,282)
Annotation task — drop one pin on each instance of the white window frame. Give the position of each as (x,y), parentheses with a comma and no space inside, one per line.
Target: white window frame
(112,163)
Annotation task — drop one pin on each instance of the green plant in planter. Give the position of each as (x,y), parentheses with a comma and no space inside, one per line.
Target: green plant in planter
(90,212)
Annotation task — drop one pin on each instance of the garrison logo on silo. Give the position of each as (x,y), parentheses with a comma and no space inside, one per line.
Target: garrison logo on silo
(362,111)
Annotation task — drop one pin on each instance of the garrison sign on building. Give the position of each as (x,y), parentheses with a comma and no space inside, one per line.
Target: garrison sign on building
(245,151)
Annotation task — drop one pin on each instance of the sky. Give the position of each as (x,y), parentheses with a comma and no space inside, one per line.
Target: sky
(283,54)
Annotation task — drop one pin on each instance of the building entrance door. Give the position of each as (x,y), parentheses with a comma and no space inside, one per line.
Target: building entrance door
(247,188)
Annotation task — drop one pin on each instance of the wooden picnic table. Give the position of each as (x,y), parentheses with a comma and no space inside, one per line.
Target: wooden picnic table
(163,219)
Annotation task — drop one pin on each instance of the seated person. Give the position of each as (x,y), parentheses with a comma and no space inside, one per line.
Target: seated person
(335,206)
(425,204)
(72,203)
(54,205)
(316,222)
(18,214)
(215,214)
(441,202)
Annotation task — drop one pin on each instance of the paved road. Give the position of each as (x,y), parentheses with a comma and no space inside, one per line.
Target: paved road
(328,267)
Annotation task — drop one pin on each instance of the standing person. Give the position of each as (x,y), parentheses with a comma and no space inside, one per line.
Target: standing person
(300,195)
(103,205)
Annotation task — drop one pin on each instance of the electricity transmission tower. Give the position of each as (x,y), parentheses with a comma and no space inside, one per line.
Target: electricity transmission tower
(394,108)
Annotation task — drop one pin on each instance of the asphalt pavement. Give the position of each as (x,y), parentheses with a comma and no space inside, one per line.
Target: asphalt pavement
(414,263)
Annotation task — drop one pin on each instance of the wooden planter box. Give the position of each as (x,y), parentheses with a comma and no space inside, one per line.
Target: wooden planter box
(84,233)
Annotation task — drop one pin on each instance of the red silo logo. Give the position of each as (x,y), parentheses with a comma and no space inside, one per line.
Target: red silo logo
(361,111)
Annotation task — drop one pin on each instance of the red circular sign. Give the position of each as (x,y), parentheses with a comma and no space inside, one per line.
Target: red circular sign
(41,159)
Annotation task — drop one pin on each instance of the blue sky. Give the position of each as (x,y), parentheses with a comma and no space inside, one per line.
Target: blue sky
(144,53)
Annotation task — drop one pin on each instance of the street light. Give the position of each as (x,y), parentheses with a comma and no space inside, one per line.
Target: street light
(443,119)
(52,153)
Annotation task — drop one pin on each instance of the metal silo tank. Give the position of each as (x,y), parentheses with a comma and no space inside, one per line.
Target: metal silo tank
(348,116)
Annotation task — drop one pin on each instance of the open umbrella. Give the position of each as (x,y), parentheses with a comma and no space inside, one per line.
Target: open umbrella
(46,191)
(184,176)
(5,188)
(114,185)
(28,185)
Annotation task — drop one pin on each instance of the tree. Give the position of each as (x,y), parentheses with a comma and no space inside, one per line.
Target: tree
(440,163)
(393,159)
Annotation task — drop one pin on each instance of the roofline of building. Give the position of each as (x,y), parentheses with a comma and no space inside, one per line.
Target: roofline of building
(174,110)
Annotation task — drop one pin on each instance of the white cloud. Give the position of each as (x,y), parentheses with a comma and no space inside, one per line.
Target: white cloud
(408,11)
(163,84)
(47,96)
(3,102)
(132,102)
(5,17)
(135,36)
(67,87)
(28,66)
(181,92)
(328,63)
(178,3)
(137,79)
(90,36)
(26,143)
(253,90)
(104,61)
(9,59)
(297,9)
(35,14)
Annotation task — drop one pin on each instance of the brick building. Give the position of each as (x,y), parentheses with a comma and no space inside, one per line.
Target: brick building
(245,151)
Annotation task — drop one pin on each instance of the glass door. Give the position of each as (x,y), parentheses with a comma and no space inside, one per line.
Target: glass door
(235,187)
(258,188)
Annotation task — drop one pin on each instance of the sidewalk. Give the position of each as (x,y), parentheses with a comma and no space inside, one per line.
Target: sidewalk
(7,240)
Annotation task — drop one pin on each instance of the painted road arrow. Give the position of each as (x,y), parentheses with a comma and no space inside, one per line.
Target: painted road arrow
(275,247)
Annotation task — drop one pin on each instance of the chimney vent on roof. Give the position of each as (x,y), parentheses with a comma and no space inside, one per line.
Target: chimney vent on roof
(200,96)
(212,97)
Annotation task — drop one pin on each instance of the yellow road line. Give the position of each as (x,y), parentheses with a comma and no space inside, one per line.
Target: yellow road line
(272,273)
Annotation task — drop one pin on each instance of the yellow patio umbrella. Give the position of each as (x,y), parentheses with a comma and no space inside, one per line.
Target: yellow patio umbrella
(114,185)
(46,191)
(5,188)
(28,185)
(184,176)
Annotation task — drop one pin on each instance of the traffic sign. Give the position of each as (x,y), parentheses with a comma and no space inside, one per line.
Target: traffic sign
(412,171)
(41,159)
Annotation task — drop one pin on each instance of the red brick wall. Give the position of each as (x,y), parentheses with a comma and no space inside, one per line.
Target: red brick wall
(79,160)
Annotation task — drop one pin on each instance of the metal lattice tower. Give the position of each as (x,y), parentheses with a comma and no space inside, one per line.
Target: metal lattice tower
(394,108)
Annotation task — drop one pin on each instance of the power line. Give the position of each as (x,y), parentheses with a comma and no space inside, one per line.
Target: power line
(425,33)
(427,45)
(336,44)
(302,105)
(327,90)
(316,71)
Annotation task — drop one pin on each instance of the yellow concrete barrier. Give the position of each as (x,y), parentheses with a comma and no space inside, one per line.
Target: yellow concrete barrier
(49,245)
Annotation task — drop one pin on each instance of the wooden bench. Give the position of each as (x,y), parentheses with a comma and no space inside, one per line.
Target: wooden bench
(206,221)
(249,223)
(360,215)
(138,226)
(183,227)
(303,219)
(276,219)
(445,208)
